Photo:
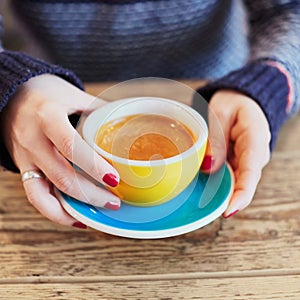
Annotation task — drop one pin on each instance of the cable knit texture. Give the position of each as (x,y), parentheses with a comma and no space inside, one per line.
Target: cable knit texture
(17,68)
(225,41)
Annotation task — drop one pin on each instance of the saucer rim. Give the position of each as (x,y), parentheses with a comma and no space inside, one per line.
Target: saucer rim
(145,234)
(149,234)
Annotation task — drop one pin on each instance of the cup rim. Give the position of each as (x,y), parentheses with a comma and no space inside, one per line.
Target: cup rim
(90,138)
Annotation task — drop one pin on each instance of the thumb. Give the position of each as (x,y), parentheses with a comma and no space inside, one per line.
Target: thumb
(219,122)
(84,102)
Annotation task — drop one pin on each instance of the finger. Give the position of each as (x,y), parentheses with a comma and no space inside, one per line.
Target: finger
(64,176)
(61,173)
(245,137)
(251,159)
(245,187)
(220,123)
(82,102)
(38,194)
(74,99)
(73,147)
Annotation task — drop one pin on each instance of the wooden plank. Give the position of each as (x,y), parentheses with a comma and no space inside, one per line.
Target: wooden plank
(253,288)
(91,253)
(289,136)
(241,244)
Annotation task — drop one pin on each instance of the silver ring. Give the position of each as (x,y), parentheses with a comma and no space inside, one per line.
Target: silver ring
(33,174)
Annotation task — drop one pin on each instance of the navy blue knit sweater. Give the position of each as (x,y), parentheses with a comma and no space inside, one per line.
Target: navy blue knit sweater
(225,41)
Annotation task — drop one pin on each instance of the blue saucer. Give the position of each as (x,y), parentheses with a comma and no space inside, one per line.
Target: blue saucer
(204,200)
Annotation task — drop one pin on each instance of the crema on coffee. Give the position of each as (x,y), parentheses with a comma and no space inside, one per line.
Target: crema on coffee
(144,137)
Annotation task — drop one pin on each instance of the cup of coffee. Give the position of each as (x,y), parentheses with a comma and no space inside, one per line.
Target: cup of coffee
(157,145)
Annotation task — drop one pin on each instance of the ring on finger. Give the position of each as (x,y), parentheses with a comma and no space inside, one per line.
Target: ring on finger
(32,174)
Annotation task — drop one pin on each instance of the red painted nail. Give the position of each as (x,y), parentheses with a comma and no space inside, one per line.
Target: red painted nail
(79,225)
(207,163)
(230,215)
(112,205)
(110,179)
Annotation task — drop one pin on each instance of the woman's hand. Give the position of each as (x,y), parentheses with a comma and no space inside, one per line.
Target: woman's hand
(241,135)
(39,136)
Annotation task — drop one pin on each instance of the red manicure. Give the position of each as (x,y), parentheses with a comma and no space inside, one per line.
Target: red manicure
(112,205)
(230,215)
(207,163)
(79,225)
(110,179)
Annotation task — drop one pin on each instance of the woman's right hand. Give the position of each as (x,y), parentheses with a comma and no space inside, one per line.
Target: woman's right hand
(39,136)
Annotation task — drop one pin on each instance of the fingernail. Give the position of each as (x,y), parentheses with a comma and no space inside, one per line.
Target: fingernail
(112,205)
(232,214)
(207,163)
(110,179)
(79,225)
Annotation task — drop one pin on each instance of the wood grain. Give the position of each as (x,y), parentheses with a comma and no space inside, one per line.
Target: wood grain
(264,236)
(252,288)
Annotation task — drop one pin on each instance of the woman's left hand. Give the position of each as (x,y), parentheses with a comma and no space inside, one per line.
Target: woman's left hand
(239,133)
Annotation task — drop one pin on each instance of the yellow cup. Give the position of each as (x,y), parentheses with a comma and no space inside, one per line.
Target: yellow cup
(148,183)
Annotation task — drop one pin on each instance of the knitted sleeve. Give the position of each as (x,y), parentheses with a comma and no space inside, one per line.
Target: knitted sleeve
(272,76)
(17,68)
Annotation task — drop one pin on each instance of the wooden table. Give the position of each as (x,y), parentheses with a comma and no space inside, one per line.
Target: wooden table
(254,255)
